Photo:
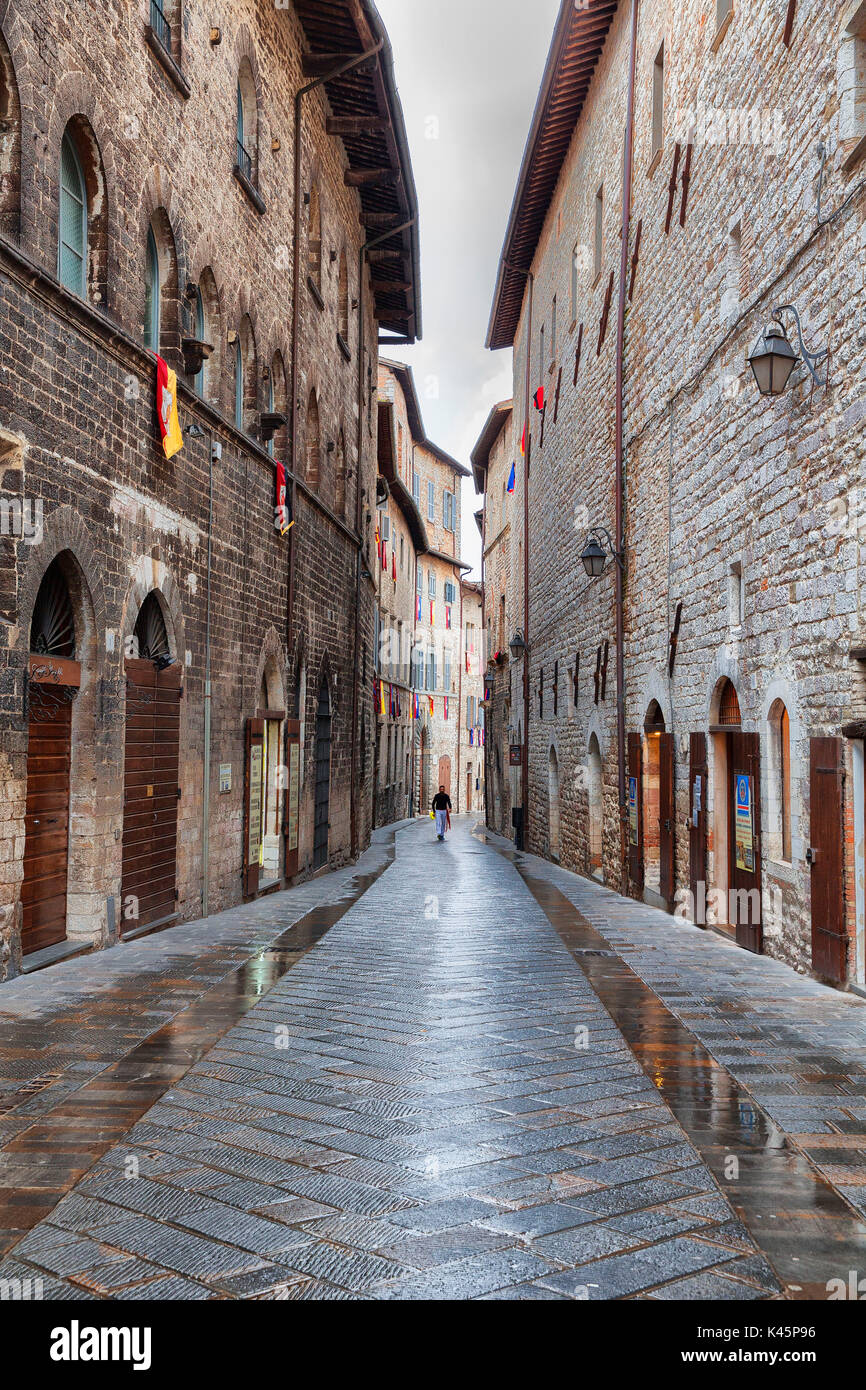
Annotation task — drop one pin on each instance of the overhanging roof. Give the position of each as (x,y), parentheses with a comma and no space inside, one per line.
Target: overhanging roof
(368,116)
(480,455)
(403,373)
(577,43)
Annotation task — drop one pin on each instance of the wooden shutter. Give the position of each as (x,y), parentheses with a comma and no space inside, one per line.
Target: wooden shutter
(46,818)
(826,784)
(698,823)
(150,793)
(292,800)
(666,818)
(253,789)
(744,858)
(634,811)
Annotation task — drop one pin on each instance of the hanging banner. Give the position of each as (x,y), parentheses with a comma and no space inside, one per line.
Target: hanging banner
(744,835)
(166,408)
(283,518)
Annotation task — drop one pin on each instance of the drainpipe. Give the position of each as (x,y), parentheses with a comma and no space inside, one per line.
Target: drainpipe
(362,255)
(524,771)
(214,452)
(620,452)
(354,62)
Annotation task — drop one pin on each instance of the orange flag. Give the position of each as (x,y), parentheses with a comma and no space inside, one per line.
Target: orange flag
(166,408)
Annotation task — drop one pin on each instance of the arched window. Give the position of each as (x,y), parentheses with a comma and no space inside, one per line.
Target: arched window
(72,244)
(10,145)
(313,442)
(278,445)
(82,233)
(780,782)
(344,301)
(239,384)
(152,294)
(729,705)
(246,123)
(150,633)
(200,329)
(314,240)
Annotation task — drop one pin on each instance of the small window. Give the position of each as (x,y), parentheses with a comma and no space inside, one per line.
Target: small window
(419,579)
(733,274)
(386,527)
(851,84)
(448,510)
(343,306)
(553,331)
(416,487)
(736,595)
(313,441)
(542,360)
(450,592)
(239,384)
(598,244)
(446,661)
(246,141)
(72,249)
(152,294)
(431,584)
(658,102)
(431,502)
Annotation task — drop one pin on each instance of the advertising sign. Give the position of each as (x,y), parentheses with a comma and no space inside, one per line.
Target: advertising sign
(632,811)
(744,836)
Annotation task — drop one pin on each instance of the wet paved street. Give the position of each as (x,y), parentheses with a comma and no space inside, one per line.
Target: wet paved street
(461,1091)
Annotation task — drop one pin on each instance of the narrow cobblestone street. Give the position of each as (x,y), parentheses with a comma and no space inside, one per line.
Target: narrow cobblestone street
(465,1075)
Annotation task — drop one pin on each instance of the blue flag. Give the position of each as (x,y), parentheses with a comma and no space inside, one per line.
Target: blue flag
(511,479)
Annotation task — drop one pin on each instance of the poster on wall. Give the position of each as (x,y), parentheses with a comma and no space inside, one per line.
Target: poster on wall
(696,800)
(632,811)
(255,838)
(744,836)
(294,795)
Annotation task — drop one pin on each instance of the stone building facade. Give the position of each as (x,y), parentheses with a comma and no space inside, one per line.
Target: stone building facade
(471,768)
(734,791)
(429,479)
(502,583)
(148,605)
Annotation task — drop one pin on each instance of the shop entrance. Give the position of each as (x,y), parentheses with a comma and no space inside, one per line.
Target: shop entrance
(737,900)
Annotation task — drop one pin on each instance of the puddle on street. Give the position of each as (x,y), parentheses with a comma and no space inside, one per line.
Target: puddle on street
(805,1229)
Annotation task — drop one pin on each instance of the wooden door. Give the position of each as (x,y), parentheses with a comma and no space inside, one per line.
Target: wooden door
(323,779)
(744,839)
(254,772)
(635,813)
(46,817)
(468,792)
(698,825)
(666,818)
(826,786)
(444,773)
(150,794)
(291,807)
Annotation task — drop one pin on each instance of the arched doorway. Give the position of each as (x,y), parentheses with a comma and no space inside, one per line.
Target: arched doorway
(736,820)
(150,774)
(596,808)
(654,727)
(54,678)
(272,716)
(553,801)
(323,777)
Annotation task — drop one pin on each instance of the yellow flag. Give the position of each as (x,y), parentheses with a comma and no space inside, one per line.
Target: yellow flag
(166,407)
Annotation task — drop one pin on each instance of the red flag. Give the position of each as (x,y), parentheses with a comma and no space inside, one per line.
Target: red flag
(523,439)
(538,399)
(394,565)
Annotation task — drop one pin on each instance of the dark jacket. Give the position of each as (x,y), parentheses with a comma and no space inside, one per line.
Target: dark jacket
(442,802)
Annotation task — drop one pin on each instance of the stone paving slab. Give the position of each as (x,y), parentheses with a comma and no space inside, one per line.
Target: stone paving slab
(443,1001)
(796,1045)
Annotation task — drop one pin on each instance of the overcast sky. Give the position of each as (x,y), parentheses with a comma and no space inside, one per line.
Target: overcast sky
(468,72)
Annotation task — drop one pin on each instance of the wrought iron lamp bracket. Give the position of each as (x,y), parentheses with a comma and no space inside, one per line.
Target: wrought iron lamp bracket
(810,358)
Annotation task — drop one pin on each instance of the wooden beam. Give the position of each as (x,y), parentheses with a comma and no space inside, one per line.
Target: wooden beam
(320,64)
(370,178)
(393,260)
(380,220)
(392,286)
(356,125)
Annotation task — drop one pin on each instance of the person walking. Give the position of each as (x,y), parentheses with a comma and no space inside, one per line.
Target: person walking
(441,807)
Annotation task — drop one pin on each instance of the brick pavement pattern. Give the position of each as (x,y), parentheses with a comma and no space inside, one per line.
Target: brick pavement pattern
(412,1112)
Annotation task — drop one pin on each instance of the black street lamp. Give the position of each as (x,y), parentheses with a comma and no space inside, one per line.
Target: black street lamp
(774,359)
(594,554)
(517,645)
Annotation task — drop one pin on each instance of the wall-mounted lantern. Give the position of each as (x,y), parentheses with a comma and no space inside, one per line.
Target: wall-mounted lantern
(517,646)
(774,358)
(596,551)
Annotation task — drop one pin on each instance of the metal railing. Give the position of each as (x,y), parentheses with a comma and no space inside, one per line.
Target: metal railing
(160,25)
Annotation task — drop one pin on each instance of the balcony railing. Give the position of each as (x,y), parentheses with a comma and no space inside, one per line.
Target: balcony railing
(160,25)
